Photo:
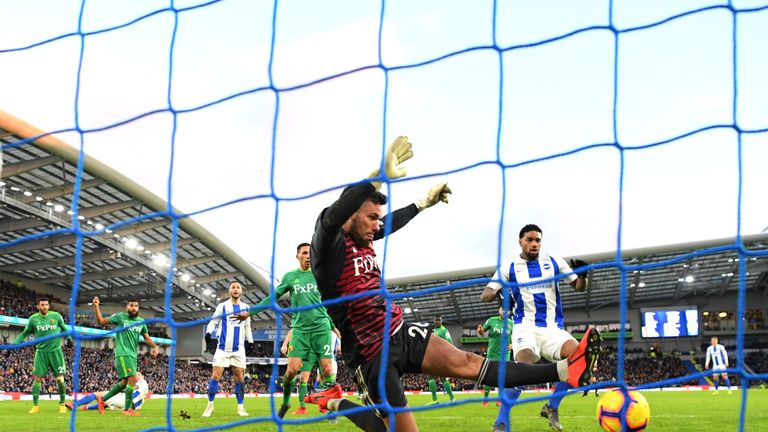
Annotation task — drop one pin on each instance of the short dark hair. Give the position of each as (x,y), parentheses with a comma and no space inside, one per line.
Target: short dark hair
(42,299)
(528,228)
(438,317)
(301,245)
(132,300)
(377,197)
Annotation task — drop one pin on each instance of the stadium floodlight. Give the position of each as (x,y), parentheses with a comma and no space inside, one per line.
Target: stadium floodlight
(641,284)
(722,314)
(407,310)
(70,212)
(49,204)
(15,189)
(58,208)
(38,199)
(80,217)
(207,291)
(185,277)
(89,222)
(192,281)
(99,226)
(27,193)
(159,260)
(2,183)
(689,278)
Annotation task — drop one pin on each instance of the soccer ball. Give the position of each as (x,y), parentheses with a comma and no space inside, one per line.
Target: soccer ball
(609,411)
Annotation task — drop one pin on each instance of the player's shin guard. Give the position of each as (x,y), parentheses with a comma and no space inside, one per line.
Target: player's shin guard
(561,389)
(36,392)
(117,388)
(517,374)
(365,420)
(447,388)
(287,388)
(62,389)
(128,397)
(240,393)
(213,388)
(302,393)
(503,416)
(432,388)
(329,381)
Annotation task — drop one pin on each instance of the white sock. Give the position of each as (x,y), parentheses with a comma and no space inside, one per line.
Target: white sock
(333,404)
(562,370)
(240,407)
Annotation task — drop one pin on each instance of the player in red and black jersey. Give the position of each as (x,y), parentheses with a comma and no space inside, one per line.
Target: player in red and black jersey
(344,265)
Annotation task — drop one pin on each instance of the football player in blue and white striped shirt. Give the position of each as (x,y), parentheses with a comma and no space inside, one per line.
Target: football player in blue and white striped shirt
(230,350)
(719,357)
(537,313)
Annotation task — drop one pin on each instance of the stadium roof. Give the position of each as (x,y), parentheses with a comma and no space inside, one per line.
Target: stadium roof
(118,261)
(680,274)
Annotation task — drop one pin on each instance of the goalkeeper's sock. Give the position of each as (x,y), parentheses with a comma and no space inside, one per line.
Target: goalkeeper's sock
(239,393)
(432,388)
(117,388)
(447,388)
(62,390)
(329,381)
(287,387)
(128,397)
(213,388)
(486,391)
(36,392)
(302,393)
(86,400)
(560,390)
(727,383)
(366,420)
(517,374)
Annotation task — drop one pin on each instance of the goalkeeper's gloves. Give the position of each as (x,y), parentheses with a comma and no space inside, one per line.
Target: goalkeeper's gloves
(398,152)
(437,193)
(250,349)
(68,343)
(575,263)
(210,343)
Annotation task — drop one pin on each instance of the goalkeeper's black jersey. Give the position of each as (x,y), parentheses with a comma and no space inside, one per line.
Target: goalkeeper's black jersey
(343,268)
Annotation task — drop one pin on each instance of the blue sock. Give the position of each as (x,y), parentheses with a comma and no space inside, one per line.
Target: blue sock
(92,407)
(560,390)
(503,416)
(717,383)
(213,388)
(727,383)
(239,393)
(86,400)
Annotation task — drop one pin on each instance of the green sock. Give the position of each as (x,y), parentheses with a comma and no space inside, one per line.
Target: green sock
(62,391)
(117,388)
(287,388)
(36,392)
(447,388)
(302,393)
(433,388)
(486,391)
(128,397)
(329,381)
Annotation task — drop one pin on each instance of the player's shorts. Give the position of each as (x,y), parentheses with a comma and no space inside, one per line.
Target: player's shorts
(407,348)
(225,359)
(543,341)
(49,360)
(303,344)
(307,366)
(719,368)
(117,402)
(126,366)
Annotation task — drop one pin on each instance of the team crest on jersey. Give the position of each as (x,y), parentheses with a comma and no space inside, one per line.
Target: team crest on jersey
(52,321)
(546,266)
(290,348)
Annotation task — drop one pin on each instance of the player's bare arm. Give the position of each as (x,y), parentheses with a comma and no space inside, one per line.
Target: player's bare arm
(99,318)
(155,350)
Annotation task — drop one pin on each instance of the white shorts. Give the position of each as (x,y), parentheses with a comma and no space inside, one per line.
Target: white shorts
(543,341)
(117,402)
(226,359)
(719,368)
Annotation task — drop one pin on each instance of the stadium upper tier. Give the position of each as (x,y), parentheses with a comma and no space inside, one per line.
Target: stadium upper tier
(128,252)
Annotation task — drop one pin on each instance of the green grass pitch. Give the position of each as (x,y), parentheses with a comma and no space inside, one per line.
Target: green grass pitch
(670,411)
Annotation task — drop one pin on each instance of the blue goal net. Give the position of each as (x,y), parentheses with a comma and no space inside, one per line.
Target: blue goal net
(614,124)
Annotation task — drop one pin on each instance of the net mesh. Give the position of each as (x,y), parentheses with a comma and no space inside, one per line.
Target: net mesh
(618,34)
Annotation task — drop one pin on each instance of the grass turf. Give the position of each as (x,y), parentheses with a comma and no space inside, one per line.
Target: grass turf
(670,411)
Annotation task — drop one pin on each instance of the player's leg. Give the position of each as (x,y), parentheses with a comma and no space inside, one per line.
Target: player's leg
(304,372)
(58,365)
(220,361)
(555,345)
(432,390)
(322,347)
(716,380)
(448,389)
(727,382)
(129,364)
(39,372)
(239,373)
(291,370)
(486,393)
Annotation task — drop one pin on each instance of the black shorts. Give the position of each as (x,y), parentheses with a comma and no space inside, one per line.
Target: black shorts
(407,348)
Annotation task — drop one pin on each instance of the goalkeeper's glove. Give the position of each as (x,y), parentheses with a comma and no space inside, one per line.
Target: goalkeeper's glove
(437,193)
(575,263)
(210,343)
(68,343)
(398,152)
(250,349)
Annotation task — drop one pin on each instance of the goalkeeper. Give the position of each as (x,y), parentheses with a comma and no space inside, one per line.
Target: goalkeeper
(344,264)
